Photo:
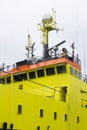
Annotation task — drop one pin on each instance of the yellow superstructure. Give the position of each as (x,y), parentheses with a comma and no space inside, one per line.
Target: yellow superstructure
(46,95)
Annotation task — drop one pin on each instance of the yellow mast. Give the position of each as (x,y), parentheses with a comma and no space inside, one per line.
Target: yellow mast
(47,24)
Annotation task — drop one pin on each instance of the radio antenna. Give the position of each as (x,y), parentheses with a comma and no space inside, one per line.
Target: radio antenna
(28,47)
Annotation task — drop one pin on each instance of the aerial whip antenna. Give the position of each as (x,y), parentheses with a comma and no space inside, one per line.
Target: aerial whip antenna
(73,48)
(28,47)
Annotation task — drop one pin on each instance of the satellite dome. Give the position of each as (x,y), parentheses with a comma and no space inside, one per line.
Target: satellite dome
(47,18)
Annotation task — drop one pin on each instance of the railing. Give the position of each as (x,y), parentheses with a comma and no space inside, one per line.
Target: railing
(57,93)
(60,54)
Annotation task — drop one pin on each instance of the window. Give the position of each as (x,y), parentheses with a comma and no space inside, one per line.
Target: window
(41,113)
(50,71)
(78,119)
(32,75)
(63,93)
(55,115)
(76,73)
(20,77)
(2,80)
(19,109)
(86,106)
(38,127)
(11,126)
(48,127)
(83,91)
(4,125)
(21,86)
(61,69)
(79,75)
(71,70)
(65,117)
(40,73)
(84,102)
(8,79)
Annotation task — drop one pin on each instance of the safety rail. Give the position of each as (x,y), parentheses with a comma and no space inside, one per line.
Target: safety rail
(57,93)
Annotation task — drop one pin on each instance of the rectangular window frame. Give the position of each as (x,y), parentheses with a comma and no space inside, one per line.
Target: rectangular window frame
(32,74)
(55,115)
(78,119)
(20,77)
(65,117)
(2,80)
(8,79)
(41,113)
(19,109)
(50,71)
(62,67)
(40,74)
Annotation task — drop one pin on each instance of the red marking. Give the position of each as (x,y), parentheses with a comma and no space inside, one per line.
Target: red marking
(42,64)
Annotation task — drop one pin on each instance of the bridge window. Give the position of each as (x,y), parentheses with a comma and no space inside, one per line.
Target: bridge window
(71,70)
(40,73)
(50,71)
(8,79)
(79,75)
(20,77)
(2,80)
(76,72)
(61,69)
(32,75)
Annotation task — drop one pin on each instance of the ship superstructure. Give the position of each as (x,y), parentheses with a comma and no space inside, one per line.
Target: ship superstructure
(46,93)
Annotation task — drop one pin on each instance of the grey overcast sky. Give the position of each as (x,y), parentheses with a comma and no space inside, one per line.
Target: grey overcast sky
(18,18)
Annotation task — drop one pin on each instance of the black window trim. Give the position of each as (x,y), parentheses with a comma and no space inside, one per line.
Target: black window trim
(50,68)
(63,64)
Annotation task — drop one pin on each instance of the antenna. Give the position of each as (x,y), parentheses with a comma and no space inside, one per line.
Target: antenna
(73,48)
(28,49)
(2,67)
(32,50)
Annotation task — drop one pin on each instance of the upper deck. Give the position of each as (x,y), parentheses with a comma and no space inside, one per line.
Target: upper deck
(25,70)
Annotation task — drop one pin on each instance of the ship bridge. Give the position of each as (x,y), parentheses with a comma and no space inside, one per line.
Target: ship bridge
(54,65)
(52,71)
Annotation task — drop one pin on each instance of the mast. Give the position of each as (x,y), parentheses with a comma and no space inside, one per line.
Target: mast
(47,24)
